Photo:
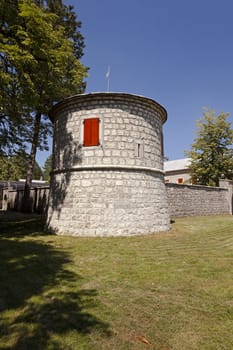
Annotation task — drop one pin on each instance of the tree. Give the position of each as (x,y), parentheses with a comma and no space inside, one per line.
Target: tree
(8,170)
(20,161)
(15,167)
(41,45)
(47,168)
(211,153)
(13,113)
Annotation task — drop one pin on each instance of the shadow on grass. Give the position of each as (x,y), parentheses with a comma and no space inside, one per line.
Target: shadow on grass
(18,225)
(40,298)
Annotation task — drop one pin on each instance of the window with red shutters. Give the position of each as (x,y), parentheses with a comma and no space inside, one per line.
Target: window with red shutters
(91,132)
(180,180)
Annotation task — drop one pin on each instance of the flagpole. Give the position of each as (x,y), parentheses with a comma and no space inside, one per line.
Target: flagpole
(108,79)
(108,85)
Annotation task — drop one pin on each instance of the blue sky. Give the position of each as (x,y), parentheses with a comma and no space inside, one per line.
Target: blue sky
(177,52)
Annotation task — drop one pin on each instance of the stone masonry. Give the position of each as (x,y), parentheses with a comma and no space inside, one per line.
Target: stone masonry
(115,187)
(193,200)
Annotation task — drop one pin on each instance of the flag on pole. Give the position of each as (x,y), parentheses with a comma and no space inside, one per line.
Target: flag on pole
(108,78)
(108,73)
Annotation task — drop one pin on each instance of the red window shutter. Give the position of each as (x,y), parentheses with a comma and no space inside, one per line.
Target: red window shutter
(180,180)
(91,132)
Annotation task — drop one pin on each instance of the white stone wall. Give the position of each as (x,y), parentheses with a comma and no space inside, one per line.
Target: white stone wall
(116,188)
(124,127)
(106,202)
(194,200)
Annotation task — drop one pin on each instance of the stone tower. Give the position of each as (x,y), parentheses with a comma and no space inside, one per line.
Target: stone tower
(107,176)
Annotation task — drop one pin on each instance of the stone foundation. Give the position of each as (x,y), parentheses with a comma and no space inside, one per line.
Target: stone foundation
(109,202)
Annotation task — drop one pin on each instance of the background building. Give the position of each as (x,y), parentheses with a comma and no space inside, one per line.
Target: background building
(176,171)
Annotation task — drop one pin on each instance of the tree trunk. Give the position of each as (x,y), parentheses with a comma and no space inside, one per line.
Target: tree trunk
(27,205)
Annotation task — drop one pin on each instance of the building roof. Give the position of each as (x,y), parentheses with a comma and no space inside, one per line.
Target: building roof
(178,164)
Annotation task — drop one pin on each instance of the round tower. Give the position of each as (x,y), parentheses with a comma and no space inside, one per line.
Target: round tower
(107,176)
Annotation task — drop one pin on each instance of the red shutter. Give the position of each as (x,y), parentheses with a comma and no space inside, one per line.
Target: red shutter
(91,132)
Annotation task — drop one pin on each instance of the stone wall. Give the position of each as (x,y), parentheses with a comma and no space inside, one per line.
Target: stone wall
(192,200)
(110,202)
(131,131)
(117,187)
(184,200)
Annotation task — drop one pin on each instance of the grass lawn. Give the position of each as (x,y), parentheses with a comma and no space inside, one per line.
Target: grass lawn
(163,291)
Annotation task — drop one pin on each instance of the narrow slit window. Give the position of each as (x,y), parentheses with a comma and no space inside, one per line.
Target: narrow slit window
(138,149)
(162,144)
(91,132)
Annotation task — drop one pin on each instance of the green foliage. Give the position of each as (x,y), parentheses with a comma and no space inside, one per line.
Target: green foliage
(47,168)
(14,113)
(15,167)
(39,55)
(40,48)
(8,169)
(211,153)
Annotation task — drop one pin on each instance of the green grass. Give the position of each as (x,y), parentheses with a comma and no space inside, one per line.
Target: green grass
(163,291)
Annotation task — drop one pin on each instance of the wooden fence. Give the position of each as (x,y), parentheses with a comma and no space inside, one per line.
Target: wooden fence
(12,199)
